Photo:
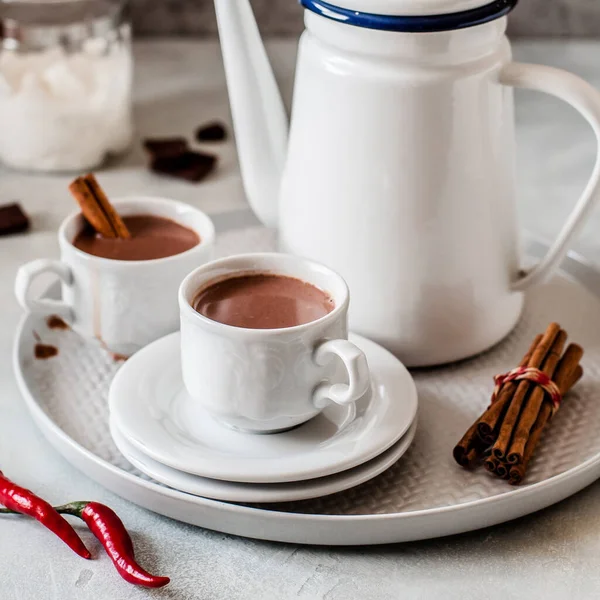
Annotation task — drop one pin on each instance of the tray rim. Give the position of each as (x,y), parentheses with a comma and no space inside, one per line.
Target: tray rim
(545,493)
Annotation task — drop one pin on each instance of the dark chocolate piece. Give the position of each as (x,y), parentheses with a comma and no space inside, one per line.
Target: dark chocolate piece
(212,132)
(12,219)
(166,147)
(191,166)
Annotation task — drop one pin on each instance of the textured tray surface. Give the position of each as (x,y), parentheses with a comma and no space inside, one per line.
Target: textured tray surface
(72,390)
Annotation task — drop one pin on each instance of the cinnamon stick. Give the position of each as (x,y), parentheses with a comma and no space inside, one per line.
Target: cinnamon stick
(468,448)
(472,458)
(514,410)
(502,470)
(568,373)
(534,402)
(491,464)
(489,421)
(97,209)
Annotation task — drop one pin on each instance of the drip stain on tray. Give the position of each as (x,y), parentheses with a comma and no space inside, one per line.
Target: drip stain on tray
(43,351)
(55,322)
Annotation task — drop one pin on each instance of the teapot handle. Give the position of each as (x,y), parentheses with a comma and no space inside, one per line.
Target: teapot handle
(585,99)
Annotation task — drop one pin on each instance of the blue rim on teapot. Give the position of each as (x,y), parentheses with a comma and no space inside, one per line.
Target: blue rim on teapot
(413,24)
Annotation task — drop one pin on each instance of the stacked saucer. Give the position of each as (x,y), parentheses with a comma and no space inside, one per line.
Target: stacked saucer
(166,435)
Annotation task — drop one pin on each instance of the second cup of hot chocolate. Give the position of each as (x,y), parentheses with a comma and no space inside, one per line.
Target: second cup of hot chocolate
(123,292)
(264,341)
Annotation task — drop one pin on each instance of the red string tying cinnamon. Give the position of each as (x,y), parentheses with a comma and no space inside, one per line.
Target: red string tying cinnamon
(534,375)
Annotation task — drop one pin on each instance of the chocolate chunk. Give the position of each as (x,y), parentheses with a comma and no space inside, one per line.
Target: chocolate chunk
(12,219)
(212,132)
(166,147)
(191,166)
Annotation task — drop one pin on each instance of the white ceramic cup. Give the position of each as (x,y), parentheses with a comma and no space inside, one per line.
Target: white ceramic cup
(269,380)
(125,304)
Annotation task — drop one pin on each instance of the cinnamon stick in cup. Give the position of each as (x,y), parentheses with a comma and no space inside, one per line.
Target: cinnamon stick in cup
(514,410)
(97,209)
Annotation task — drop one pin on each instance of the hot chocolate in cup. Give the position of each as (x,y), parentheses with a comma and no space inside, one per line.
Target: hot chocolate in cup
(124,303)
(264,341)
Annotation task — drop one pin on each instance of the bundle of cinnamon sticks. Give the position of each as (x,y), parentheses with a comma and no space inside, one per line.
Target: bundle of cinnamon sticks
(506,436)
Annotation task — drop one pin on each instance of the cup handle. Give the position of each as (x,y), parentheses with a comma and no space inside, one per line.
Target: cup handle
(585,99)
(44,306)
(359,379)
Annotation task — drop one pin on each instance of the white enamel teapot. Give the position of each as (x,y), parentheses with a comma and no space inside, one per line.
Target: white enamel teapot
(398,168)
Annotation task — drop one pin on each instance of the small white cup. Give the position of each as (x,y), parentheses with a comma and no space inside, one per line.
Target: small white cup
(269,380)
(125,304)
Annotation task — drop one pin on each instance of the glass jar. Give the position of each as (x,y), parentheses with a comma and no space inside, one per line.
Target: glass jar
(65,83)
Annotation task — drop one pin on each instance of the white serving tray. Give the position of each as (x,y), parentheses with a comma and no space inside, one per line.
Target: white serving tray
(424,495)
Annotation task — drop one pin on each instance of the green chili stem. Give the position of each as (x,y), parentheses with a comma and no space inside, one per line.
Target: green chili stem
(72,508)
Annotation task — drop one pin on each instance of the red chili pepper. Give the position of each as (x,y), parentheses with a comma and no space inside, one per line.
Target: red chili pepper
(105,524)
(26,502)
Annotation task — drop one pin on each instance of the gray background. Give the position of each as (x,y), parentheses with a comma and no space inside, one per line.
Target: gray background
(280,17)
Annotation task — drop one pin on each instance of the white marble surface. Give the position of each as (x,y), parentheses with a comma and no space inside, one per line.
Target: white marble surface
(553,554)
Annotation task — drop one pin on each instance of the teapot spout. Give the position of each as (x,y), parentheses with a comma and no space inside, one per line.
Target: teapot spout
(259,116)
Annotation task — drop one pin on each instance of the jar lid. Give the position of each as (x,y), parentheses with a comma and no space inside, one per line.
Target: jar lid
(411,15)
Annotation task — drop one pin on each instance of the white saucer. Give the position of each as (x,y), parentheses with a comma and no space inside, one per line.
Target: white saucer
(262,492)
(151,408)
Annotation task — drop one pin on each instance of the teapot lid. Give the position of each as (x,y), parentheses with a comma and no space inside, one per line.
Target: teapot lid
(411,15)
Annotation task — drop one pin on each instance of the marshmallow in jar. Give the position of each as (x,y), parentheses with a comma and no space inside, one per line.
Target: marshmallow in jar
(65,83)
